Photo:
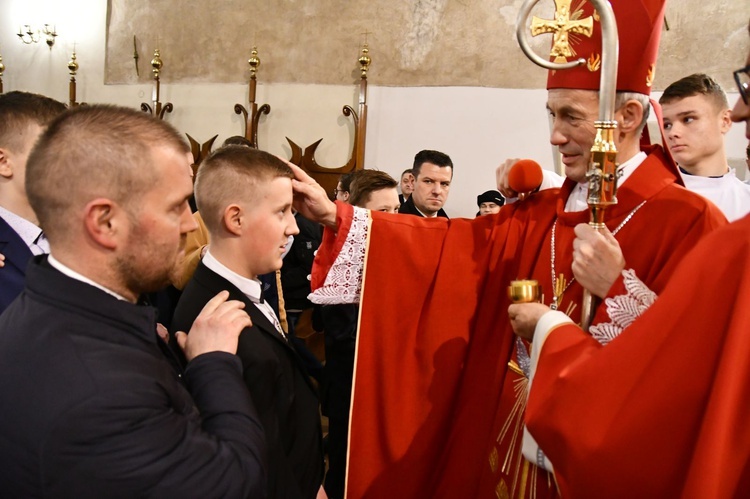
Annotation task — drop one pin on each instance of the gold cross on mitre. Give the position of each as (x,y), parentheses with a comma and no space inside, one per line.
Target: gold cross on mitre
(561,26)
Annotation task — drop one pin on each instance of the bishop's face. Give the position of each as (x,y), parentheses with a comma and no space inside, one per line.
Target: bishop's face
(573,114)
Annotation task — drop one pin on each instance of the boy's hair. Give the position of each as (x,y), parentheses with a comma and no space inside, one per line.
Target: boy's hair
(366,182)
(237,140)
(408,170)
(232,174)
(696,84)
(22,109)
(428,156)
(346,180)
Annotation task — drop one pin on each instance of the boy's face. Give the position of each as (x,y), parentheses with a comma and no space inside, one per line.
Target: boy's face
(694,128)
(385,200)
(270,222)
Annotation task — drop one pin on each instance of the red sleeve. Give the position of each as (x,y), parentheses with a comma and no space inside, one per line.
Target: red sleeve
(661,410)
(331,245)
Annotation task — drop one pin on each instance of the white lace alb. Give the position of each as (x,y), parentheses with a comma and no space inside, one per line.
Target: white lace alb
(343,284)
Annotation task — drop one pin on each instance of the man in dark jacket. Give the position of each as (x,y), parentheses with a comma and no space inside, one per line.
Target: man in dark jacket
(433,173)
(92,405)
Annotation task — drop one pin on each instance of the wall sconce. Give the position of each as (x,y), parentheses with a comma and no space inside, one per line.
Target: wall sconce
(28,35)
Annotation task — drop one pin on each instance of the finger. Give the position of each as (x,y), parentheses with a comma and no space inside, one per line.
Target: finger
(608,237)
(300,174)
(181,338)
(513,310)
(215,302)
(584,231)
(242,320)
(230,310)
(162,332)
(301,187)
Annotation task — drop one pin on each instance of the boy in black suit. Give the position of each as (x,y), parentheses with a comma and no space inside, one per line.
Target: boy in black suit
(245,198)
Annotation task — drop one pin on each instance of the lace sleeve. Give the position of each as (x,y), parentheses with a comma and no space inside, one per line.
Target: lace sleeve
(343,283)
(624,309)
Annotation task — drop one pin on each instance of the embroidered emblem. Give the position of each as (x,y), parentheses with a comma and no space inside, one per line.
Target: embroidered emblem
(624,309)
(594,62)
(564,28)
(494,459)
(501,491)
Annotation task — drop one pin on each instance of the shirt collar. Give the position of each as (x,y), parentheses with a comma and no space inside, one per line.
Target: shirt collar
(78,277)
(434,215)
(685,172)
(250,287)
(26,230)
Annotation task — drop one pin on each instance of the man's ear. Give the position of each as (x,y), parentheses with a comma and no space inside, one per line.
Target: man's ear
(726,120)
(105,222)
(6,165)
(630,116)
(233,219)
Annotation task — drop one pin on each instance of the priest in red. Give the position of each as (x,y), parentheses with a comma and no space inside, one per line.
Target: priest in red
(440,380)
(661,411)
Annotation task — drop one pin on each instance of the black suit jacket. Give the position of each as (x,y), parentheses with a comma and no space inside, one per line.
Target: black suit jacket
(17,257)
(409,208)
(91,408)
(280,387)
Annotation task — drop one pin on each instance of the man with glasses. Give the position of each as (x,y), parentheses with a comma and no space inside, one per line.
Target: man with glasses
(665,403)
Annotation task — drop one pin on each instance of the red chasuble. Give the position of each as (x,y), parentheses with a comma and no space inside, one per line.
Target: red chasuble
(662,410)
(436,410)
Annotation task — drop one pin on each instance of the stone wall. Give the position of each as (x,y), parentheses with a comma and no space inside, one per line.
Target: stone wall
(412,42)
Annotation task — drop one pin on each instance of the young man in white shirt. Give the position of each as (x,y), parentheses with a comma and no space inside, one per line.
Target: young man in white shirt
(696,118)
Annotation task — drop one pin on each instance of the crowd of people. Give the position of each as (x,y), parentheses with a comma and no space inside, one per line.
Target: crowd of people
(433,382)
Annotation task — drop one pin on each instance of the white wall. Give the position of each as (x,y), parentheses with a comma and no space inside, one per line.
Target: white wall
(478,127)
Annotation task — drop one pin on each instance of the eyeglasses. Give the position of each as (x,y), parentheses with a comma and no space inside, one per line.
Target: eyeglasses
(742,78)
(336,192)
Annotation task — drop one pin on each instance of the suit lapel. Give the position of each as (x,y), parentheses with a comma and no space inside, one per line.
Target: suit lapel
(213,281)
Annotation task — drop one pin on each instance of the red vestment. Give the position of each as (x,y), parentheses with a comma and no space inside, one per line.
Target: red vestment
(661,411)
(432,388)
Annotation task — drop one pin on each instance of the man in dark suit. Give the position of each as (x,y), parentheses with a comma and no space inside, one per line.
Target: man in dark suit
(92,405)
(407,185)
(23,117)
(245,198)
(433,172)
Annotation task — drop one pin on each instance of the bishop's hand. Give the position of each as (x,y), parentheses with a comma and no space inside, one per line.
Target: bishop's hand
(597,259)
(501,176)
(310,199)
(524,317)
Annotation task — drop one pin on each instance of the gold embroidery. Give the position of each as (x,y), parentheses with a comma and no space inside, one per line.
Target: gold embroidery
(563,27)
(524,477)
(501,491)
(650,75)
(513,366)
(494,459)
(594,62)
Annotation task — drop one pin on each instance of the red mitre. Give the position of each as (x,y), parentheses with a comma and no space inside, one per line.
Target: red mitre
(639,25)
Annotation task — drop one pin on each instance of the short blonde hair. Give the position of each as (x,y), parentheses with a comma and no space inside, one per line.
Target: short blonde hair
(231,174)
(94,151)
